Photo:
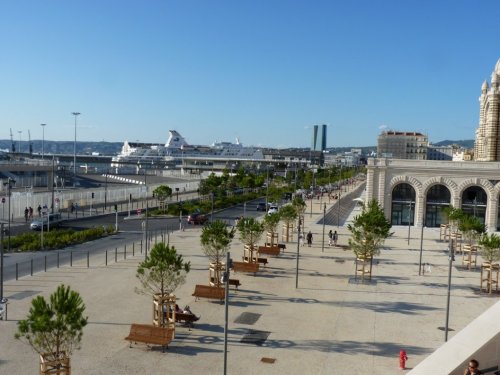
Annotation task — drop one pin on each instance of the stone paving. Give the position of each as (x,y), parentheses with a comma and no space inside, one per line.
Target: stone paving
(328,325)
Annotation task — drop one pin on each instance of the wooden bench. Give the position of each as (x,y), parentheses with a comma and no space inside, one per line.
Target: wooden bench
(234,282)
(245,267)
(259,260)
(275,250)
(206,291)
(150,334)
(281,246)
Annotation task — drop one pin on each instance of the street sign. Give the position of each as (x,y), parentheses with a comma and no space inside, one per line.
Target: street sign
(139,211)
(3,199)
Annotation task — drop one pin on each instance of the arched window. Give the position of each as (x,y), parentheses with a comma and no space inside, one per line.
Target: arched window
(403,204)
(474,202)
(437,198)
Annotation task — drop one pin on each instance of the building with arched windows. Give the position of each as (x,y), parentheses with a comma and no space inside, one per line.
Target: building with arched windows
(414,192)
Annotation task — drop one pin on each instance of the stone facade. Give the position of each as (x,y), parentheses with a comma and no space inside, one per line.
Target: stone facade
(402,145)
(383,175)
(487,145)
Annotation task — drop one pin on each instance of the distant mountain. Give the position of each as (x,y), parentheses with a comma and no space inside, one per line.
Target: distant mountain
(466,143)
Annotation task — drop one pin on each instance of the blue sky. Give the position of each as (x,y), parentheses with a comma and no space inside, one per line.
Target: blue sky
(262,70)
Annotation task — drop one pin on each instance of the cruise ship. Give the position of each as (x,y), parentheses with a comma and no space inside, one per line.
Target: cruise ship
(176,149)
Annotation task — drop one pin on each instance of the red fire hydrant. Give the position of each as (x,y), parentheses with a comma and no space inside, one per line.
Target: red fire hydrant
(402,359)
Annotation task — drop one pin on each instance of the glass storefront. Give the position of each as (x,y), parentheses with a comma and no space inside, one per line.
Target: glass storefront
(403,205)
(438,197)
(474,202)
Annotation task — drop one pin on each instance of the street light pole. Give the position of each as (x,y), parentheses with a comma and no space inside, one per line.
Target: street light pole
(1,262)
(323,240)
(43,139)
(451,257)
(421,247)
(9,187)
(76,114)
(226,307)
(298,252)
(409,221)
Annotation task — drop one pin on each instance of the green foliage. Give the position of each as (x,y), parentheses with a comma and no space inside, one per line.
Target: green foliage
(162,192)
(454,216)
(57,238)
(162,271)
(490,247)
(271,221)
(288,213)
(216,238)
(369,230)
(299,205)
(250,230)
(471,227)
(55,327)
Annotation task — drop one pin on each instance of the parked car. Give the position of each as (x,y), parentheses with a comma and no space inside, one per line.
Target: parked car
(197,218)
(261,206)
(52,220)
(272,210)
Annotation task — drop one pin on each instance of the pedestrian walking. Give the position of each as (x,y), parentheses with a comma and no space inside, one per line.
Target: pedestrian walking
(335,237)
(30,209)
(309,239)
(26,214)
(330,238)
(39,209)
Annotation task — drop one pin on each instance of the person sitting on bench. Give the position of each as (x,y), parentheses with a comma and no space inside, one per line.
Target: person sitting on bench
(187,310)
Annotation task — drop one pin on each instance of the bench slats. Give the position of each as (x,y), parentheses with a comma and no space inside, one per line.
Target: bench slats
(211,292)
(245,267)
(149,334)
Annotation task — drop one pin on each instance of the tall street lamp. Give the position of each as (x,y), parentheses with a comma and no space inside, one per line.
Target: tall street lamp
(409,220)
(323,239)
(43,139)
(76,114)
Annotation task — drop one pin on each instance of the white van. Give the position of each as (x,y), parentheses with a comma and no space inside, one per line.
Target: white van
(52,220)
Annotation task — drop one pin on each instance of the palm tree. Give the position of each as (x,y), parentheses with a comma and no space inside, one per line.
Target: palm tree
(490,247)
(369,230)
(471,227)
(216,238)
(55,328)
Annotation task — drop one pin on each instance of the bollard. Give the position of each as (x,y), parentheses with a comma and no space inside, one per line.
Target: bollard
(31,267)
(58,259)
(45,264)
(116,254)
(71,259)
(133,249)
(88,260)
(124,251)
(141,246)
(106,257)
(17,271)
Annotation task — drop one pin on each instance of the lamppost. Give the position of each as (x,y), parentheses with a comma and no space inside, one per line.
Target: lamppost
(323,239)
(76,114)
(298,252)
(225,279)
(451,258)
(9,187)
(421,246)
(43,139)
(409,220)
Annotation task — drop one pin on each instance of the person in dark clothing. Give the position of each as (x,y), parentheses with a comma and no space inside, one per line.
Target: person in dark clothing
(26,214)
(39,209)
(309,239)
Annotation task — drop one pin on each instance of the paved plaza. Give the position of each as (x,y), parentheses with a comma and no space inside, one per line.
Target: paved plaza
(328,325)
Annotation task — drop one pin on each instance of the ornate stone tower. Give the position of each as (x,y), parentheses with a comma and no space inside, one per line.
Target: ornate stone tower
(487,145)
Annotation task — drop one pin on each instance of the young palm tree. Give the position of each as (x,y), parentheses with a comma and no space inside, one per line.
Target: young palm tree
(490,248)
(471,227)
(216,238)
(55,328)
